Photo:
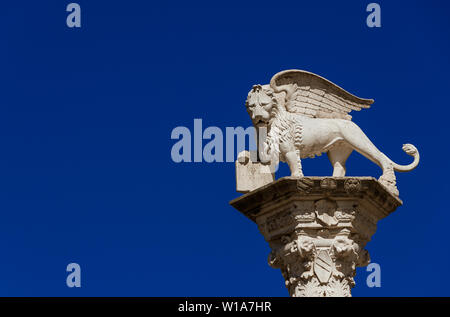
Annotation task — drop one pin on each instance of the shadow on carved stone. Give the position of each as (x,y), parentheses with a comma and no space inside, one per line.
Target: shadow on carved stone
(318,235)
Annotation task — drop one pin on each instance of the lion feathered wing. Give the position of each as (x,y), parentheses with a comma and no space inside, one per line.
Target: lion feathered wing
(314,96)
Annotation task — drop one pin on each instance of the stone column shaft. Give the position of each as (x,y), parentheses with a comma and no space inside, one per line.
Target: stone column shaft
(317,228)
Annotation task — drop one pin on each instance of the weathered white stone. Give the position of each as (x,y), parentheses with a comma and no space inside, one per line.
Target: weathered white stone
(317,228)
(251,175)
(307,115)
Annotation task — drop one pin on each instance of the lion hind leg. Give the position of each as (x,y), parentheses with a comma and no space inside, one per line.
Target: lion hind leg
(388,178)
(356,138)
(338,155)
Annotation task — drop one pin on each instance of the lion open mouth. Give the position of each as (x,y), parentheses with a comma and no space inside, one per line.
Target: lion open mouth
(260,123)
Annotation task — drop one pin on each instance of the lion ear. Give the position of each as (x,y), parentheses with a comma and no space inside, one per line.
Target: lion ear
(256,87)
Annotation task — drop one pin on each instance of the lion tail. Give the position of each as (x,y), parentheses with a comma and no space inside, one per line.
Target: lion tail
(410,150)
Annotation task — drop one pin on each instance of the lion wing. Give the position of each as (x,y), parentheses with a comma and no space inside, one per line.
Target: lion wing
(314,96)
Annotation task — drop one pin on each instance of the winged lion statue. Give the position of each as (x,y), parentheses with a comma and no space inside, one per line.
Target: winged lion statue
(304,115)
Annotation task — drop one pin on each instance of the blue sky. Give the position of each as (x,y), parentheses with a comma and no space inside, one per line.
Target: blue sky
(86,116)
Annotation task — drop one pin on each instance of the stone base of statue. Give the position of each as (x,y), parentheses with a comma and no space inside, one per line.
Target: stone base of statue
(317,228)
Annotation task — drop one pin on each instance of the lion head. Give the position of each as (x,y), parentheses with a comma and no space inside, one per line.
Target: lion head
(259,104)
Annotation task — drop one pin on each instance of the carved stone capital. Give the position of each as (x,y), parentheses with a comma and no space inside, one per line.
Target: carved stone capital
(317,228)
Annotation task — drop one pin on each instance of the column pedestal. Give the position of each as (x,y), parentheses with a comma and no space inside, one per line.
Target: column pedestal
(317,228)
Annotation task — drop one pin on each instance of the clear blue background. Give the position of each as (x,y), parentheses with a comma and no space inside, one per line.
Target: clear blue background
(86,116)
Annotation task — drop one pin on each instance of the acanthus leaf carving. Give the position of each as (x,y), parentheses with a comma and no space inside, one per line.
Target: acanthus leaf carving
(318,238)
(322,263)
